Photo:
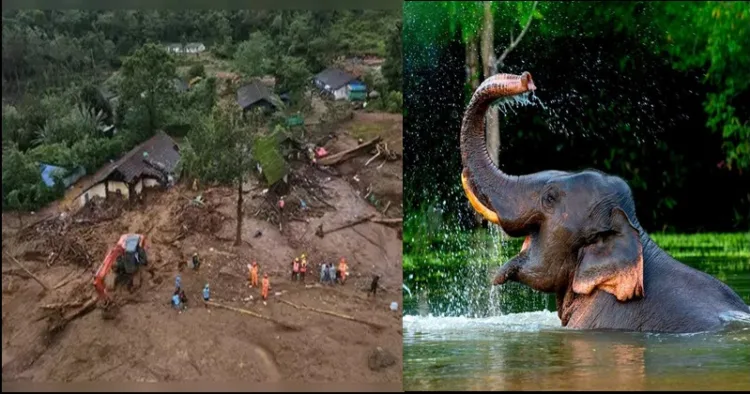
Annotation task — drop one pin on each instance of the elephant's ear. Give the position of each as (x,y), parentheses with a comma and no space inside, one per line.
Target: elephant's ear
(614,264)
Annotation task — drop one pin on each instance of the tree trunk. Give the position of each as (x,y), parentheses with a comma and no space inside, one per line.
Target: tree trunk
(489,68)
(472,80)
(238,237)
(472,68)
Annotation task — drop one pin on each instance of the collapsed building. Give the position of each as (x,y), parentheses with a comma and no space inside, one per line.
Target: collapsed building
(153,163)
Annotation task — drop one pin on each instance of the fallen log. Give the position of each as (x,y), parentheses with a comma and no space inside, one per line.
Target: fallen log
(16,272)
(354,319)
(60,324)
(372,158)
(36,278)
(386,208)
(320,232)
(64,282)
(60,305)
(341,156)
(387,220)
(253,314)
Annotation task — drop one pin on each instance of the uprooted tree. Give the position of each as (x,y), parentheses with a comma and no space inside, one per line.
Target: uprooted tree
(220,150)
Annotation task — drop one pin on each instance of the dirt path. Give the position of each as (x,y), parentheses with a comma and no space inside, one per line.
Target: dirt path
(148,341)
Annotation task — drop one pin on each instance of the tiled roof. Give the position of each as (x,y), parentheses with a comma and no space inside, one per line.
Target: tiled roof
(160,148)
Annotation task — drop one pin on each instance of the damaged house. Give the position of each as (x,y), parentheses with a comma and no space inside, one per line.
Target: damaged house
(340,85)
(256,95)
(153,163)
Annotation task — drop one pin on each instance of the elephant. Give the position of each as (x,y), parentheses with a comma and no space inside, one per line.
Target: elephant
(583,241)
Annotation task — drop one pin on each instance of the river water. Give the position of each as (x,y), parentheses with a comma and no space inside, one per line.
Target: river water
(529,350)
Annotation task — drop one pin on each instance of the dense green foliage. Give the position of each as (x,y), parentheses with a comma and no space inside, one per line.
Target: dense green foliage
(393,68)
(713,37)
(653,92)
(70,75)
(223,130)
(147,89)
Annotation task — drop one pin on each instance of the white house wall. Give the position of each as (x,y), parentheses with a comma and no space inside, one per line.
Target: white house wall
(342,93)
(98,190)
(122,187)
(150,182)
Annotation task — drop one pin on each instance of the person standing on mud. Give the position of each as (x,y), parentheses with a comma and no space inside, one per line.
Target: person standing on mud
(183,299)
(303,267)
(266,287)
(177,283)
(206,293)
(254,274)
(323,273)
(331,274)
(295,268)
(341,273)
(196,261)
(176,300)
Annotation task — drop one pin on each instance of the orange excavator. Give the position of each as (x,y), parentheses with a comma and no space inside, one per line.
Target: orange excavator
(121,265)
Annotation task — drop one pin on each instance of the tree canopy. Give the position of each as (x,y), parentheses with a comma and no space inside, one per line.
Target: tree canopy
(82,87)
(651,91)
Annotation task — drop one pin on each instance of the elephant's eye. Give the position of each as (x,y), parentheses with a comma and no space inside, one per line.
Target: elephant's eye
(604,235)
(549,200)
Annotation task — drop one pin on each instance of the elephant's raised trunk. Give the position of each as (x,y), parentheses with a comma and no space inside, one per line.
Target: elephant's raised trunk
(491,191)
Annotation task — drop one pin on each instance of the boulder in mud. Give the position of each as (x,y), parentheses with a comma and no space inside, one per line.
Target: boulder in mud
(381,359)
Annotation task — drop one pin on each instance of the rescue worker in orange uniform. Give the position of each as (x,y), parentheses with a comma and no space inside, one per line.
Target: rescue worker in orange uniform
(295,268)
(266,287)
(342,270)
(254,274)
(303,267)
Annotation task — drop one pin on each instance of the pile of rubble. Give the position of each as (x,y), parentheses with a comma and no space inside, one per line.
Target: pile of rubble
(199,216)
(305,196)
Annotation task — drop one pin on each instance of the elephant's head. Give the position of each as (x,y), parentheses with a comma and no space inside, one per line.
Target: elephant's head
(580,228)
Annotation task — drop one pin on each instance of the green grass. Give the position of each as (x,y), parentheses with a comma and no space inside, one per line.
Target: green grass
(366,131)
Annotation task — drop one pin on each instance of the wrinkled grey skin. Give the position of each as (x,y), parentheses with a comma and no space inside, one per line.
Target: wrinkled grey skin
(585,244)
(576,210)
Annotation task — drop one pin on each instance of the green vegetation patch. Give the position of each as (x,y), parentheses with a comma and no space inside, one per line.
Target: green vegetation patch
(266,152)
(365,131)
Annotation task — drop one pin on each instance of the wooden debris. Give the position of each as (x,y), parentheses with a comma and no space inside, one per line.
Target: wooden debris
(344,155)
(60,324)
(36,278)
(320,232)
(387,220)
(371,218)
(386,208)
(253,314)
(354,319)
(64,282)
(16,272)
(62,305)
(382,150)
(373,158)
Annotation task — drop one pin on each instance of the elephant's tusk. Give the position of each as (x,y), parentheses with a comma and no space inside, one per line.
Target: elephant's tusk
(478,206)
